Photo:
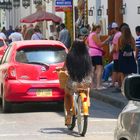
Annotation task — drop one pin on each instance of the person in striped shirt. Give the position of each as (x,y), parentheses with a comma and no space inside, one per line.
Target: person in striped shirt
(137,29)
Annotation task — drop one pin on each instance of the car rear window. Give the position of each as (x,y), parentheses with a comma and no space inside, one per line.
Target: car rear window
(47,55)
(1,43)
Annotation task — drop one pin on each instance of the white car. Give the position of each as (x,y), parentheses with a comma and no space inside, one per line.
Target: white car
(128,126)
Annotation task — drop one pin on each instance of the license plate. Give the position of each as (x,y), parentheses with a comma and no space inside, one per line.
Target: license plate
(44,92)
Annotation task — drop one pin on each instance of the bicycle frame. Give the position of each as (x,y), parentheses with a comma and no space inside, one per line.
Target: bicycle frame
(83,96)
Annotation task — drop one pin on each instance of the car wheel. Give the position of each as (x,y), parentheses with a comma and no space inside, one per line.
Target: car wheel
(6,106)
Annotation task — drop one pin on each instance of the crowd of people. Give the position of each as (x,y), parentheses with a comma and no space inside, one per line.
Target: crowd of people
(33,32)
(124,51)
(24,32)
(124,48)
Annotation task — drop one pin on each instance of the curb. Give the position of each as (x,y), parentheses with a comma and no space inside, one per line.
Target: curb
(100,95)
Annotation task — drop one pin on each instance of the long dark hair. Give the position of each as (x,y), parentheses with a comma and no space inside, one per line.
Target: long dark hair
(78,61)
(126,37)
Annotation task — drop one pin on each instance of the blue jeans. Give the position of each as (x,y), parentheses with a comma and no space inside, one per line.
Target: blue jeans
(107,71)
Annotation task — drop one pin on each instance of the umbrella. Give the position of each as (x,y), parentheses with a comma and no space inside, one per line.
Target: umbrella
(40,15)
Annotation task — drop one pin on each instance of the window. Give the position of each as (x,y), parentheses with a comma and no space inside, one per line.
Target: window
(47,55)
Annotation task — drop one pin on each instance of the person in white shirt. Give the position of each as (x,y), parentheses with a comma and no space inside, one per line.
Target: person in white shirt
(37,34)
(2,35)
(16,36)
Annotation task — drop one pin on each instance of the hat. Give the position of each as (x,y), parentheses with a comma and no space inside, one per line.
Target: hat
(114,25)
(84,31)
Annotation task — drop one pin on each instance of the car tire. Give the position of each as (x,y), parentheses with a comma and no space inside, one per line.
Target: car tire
(6,106)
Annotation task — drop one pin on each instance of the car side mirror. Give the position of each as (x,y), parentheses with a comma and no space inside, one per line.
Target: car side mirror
(131,87)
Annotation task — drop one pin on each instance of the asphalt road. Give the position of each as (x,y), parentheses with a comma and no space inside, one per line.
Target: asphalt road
(46,122)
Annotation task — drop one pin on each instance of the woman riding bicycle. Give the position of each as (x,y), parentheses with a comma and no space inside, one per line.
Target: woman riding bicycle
(79,68)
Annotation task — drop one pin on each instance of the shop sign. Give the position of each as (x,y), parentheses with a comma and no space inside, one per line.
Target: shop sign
(63,5)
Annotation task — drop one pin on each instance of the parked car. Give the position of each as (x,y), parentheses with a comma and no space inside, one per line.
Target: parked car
(3,47)
(128,126)
(27,72)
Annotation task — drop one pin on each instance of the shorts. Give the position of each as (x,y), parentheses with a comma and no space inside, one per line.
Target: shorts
(72,85)
(116,66)
(96,60)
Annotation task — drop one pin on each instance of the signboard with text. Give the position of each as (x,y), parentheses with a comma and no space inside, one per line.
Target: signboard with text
(63,5)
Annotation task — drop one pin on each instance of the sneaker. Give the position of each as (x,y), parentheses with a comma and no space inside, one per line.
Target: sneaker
(111,85)
(101,88)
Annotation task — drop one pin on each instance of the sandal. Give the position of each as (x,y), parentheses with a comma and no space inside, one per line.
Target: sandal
(68,120)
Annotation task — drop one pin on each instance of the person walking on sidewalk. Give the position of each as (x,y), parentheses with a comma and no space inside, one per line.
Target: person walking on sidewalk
(138,47)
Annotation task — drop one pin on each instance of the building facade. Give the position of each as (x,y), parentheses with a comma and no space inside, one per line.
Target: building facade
(97,11)
(107,11)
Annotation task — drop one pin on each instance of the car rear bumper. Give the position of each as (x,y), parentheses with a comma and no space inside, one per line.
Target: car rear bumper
(23,91)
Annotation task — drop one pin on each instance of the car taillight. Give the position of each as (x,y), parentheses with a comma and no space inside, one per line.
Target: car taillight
(11,73)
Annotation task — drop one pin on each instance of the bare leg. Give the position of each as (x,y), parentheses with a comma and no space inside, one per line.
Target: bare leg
(88,97)
(99,69)
(68,102)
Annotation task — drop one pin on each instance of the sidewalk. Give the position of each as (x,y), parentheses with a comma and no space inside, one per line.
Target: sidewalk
(111,96)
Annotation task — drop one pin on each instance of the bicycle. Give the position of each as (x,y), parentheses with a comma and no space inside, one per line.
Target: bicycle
(79,110)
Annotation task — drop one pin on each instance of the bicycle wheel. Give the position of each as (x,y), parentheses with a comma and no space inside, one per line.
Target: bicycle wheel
(82,120)
(73,120)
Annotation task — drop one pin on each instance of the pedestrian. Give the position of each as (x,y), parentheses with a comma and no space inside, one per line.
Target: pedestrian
(64,36)
(115,54)
(4,31)
(84,32)
(95,47)
(29,33)
(24,30)
(2,35)
(37,35)
(16,36)
(126,47)
(10,30)
(137,29)
(107,72)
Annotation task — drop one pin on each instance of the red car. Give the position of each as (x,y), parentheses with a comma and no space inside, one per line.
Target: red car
(27,72)
(3,47)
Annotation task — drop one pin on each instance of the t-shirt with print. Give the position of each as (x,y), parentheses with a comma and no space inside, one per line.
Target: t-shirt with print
(138,46)
(115,42)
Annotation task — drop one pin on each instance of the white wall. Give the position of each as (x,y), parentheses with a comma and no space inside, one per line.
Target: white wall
(96,19)
(131,17)
(92,19)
